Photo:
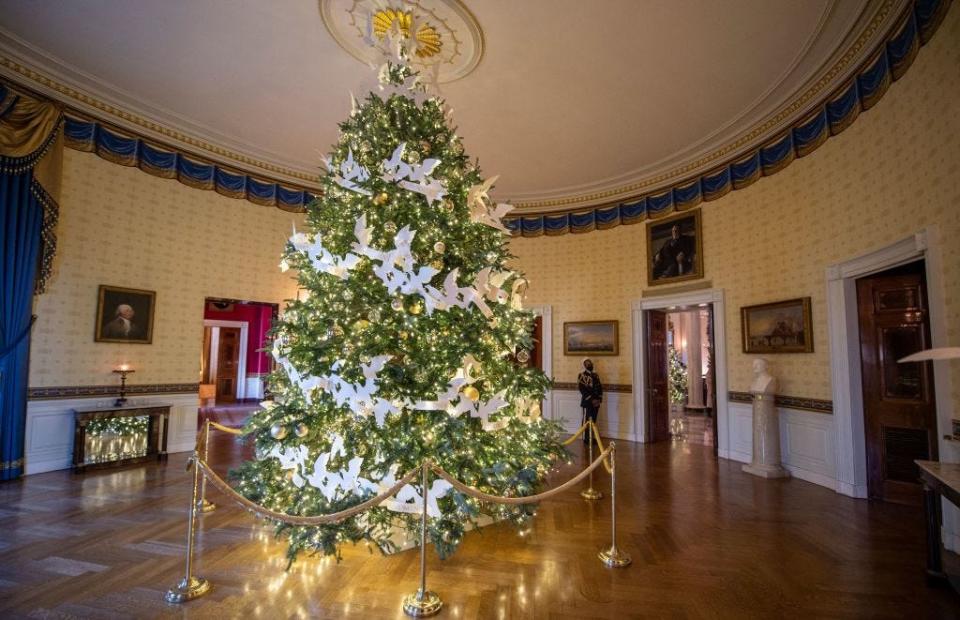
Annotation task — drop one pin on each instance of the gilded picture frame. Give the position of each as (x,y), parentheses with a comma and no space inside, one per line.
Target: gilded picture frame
(777,327)
(124,315)
(670,261)
(591,338)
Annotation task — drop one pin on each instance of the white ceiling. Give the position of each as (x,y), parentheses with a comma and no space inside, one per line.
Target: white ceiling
(570,97)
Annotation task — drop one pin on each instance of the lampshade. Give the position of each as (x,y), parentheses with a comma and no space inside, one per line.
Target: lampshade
(940,353)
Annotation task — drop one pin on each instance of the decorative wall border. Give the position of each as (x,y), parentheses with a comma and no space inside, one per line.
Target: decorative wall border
(83,391)
(827,118)
(607,387)
(790,402)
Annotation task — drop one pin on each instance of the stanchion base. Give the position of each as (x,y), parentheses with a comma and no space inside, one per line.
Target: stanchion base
(591,493)
(614,558)
(422,604)
(187,590)
(206,506)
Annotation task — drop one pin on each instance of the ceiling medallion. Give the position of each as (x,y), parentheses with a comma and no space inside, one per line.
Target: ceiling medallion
(448,35)
(429,41)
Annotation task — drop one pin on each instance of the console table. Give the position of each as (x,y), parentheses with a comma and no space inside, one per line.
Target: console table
(158,416)
(939,479)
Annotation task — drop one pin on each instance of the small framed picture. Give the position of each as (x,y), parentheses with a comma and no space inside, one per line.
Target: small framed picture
(591,338)
(779,327)
(674,251)
(125,315)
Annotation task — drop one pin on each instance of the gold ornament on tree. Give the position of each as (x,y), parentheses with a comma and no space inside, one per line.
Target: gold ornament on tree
(381,199)
(278,431)
(472,393)
(302,430)
(439,247)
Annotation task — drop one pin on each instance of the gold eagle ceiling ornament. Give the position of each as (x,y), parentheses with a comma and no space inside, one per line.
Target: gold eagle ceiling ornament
(448,37)
(428,39)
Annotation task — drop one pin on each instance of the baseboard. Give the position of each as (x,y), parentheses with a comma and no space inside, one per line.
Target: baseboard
(858,491)
(812,476)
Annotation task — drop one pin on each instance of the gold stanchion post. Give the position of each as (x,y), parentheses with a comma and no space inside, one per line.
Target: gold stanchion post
(424,602)
(190,587)
(613,557)
(590,492)
(205,506)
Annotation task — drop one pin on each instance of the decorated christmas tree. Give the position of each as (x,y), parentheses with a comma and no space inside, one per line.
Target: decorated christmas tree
(404,342)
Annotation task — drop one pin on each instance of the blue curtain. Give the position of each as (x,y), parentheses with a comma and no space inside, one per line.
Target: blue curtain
(21,219)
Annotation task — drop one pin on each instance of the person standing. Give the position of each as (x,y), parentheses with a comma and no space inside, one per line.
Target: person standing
(591,394)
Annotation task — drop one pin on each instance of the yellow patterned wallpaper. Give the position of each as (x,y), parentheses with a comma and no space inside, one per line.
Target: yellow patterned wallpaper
(122,227)
(893,172)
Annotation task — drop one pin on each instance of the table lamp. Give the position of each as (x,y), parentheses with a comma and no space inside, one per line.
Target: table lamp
(123,370)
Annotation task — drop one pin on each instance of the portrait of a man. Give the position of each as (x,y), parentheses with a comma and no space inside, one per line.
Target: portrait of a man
(673,249)
(125,315)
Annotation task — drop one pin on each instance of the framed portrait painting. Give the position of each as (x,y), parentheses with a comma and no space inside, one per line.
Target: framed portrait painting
(674,249)
(780,327)
(125,315)
(591,338)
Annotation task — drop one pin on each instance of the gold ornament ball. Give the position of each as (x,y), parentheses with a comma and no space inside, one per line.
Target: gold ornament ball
(361,324)
(472,393)
(437,264)
(381,198)
(448,206)
(397,304)
(416,308)
(523,356)
(425,147)
(390,227)
(278,431)
(439,247)
(302,430)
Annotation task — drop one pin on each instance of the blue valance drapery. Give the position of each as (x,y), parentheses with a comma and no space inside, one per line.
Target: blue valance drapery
(85,134)
(29,172)
(828,118)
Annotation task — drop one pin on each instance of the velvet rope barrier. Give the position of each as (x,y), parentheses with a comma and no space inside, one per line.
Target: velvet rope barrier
(527,499)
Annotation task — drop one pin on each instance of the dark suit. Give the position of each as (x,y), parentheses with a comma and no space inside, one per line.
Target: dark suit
(665,263)
(117,329)
(591,394)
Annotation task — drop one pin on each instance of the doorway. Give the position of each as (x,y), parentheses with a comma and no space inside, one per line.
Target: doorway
(234,364)
(898,399)
(692,324)
(680,389)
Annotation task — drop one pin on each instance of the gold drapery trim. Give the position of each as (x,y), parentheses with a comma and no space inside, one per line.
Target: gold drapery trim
(31,137)
(15,464)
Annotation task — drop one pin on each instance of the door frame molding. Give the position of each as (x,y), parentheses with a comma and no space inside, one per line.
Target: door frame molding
(844,335)
(546,351)
(713,296)
(244,337)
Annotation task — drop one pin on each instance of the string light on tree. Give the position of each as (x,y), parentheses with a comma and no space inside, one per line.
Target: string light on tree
(402,348)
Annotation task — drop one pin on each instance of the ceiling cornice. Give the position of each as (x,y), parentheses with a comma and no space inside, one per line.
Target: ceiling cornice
(80,91)
(52,77)
(879,17)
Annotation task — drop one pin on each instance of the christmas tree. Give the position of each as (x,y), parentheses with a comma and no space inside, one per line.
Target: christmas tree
(404,343)
(678,376)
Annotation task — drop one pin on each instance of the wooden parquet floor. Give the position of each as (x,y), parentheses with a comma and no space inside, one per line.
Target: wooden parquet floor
(707,540)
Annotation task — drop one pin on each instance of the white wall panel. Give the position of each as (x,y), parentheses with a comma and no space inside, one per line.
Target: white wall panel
(49,431)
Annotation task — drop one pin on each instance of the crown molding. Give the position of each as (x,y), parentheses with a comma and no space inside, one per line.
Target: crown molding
(87,94)
(876,19)
(82,92)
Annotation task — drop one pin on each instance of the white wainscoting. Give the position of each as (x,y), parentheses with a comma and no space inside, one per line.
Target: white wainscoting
(615,419)
(807,442)
(49,432)
(254,388)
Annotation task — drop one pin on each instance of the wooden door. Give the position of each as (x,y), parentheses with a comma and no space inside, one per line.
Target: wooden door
(657,391)
(898,399)
(228,363)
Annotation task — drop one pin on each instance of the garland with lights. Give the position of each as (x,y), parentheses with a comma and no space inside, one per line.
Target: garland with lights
(403,347)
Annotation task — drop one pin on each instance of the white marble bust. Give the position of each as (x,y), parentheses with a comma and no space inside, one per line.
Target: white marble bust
(763,381)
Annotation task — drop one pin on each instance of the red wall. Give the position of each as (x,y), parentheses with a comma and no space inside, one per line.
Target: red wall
(259,318)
